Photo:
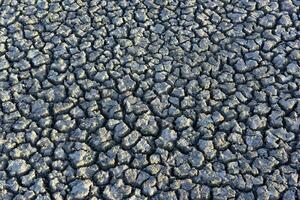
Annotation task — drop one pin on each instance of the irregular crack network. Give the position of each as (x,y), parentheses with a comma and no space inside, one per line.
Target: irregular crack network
(149,99)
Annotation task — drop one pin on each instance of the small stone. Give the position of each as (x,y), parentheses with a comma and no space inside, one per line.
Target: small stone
(220,141)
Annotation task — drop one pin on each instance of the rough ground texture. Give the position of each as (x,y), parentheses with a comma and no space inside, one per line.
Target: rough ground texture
(153,99)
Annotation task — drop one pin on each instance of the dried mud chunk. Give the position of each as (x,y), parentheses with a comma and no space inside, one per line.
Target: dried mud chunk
(208,148)
(39,108)
(17,167)
(64,123)
(82,156)
(21,124)
(4,64)
(131,139)
(255,122)
(183,122)
(116,191)
(283,134)
(161,88)
(167,139)
(196,158)
(80,189)
(40,60)
(267,21)
(126,84)
(147,125)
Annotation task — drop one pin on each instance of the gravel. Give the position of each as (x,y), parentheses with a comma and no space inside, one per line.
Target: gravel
(141,99)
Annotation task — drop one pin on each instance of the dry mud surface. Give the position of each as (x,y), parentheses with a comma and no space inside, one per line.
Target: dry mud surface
(153,99)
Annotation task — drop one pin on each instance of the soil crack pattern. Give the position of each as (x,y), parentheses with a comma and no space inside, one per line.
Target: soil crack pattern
(149,99)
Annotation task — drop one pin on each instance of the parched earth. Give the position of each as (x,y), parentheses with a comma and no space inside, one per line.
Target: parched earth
(149,99)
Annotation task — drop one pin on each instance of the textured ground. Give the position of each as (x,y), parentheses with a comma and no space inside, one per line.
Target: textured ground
(153,99)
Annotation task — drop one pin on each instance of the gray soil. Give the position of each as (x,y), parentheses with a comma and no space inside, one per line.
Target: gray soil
(149,99)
